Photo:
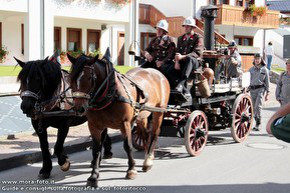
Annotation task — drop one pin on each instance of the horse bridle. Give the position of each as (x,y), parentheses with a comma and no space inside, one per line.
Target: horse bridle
(82,95)
(28,93)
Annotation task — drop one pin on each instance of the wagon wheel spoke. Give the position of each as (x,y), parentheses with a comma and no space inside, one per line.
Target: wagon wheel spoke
(196,133)
(242,117)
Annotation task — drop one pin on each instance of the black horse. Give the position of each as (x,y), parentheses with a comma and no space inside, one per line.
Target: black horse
(43,88)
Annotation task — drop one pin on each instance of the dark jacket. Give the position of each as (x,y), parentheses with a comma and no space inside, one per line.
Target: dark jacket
(191,47)
(162,49)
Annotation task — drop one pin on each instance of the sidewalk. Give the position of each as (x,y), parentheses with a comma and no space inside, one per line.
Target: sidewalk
(25,148)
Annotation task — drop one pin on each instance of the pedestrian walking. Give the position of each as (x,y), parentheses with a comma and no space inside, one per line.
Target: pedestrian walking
(269,52)
(259,87)
(283,86)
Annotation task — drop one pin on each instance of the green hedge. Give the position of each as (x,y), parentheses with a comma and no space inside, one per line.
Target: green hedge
(13,71)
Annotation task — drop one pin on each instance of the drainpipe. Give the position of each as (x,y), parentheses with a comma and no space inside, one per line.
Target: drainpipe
(194,9)
(264,42)
(42,28)
(136,27)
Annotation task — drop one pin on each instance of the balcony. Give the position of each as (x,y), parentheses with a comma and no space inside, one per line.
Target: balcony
(234,15)
(149,15)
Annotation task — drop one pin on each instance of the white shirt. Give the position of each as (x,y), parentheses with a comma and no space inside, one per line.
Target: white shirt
(269,50)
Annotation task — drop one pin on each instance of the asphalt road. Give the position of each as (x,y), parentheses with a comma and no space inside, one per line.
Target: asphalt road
(259,165)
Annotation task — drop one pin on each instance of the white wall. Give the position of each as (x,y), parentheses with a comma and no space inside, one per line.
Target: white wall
(91,9)
(171,8)
(230,31)
(259,40)
(260,3)
(114,39)
(109,36)
(65,23)
(277,41)
(199,4)
(146,28)
(11,38)
(13,5)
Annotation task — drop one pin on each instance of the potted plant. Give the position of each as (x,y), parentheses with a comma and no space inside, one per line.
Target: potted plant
(120,3)
(254,11)
(75,54)
(3,53)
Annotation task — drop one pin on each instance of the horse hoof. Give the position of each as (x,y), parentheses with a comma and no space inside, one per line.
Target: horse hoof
(108,155)
(65,167)
(92,183)
(146,168)
(43,176)
(131,174)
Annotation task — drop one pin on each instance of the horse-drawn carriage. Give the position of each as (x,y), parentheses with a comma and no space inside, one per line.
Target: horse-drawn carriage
(108,99)
(228,106)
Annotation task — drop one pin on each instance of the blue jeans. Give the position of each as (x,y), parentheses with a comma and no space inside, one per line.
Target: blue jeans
(269,61)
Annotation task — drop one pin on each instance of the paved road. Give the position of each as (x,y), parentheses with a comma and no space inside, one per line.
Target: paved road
(261,164)
(12,120)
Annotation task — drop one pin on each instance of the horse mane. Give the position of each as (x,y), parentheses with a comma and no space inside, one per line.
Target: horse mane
(48,71)
(78,67)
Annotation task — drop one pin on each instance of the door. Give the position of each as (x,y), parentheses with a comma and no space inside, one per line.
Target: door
(286,46)
(93,40)
(121,43)
(74,39)
(57,38)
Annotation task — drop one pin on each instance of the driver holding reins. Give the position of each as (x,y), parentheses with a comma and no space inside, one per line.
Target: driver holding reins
(161,49)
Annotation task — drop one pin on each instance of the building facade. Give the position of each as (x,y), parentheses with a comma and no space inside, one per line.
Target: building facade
(244,21)
(34,29)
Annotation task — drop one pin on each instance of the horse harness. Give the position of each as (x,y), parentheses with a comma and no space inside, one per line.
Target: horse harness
(99,101)
(59,98)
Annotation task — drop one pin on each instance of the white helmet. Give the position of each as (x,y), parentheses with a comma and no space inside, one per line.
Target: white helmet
(189,22)
(162,24)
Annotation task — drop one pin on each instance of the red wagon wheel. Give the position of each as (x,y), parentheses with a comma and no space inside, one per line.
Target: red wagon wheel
(242,117)
(196,133)
(137,140)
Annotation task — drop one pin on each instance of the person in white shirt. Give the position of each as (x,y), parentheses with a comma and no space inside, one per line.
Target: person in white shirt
(269,52)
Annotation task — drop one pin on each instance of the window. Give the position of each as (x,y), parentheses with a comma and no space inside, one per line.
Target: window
(249,2)
(57,38)
(244,40)
(240,3)
(213,2)
(224,2)
(145,39)
(93,40)
(74,37)
(22,38)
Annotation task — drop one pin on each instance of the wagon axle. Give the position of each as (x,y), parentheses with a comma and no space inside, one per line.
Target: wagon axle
(245,118)
(199,133)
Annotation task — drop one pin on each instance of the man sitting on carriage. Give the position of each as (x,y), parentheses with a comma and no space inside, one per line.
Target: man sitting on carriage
(233,61)
(188,52)
(161,49)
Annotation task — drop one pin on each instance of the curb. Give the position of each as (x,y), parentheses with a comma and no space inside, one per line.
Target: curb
(29,158)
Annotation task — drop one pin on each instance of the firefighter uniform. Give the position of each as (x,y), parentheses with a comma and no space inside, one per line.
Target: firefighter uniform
(283,89)
(192,47)
(258,86)
(161,49)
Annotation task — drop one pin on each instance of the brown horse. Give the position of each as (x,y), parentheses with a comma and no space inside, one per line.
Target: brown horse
(109,100)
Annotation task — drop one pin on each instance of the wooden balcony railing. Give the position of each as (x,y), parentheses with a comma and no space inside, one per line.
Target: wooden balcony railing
(234,15)
(149,15)
(175,26)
